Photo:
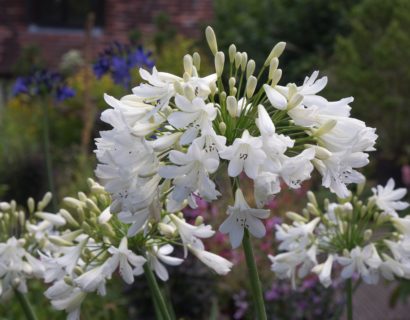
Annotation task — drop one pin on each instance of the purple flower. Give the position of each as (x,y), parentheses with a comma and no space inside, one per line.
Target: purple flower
(42,82)
(118,60)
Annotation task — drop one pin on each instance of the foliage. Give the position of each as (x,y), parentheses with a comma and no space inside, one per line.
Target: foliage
(372,64)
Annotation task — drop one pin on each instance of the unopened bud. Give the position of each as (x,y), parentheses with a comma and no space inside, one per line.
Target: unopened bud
(238,59)
(312,209)
(219,63)
(273,66)
(58,241)
(82,196)
(188,63)
(4,206)
(250,68)
(232,106)
(222,96)
(295,216)
(68,280)
(232,52)
(232,82)
(199,220)
(196,59)
(276,76)
(31,205)
(275,53)
(320,152)
(251,86)
(244,60)
(189,92)
(86,227)
(213,88)
(108,230)
(325,128)
(222,127)
(92,206)
(367,234)
(166,229)
(45,201)
(295,101)
(312,198)
(78,270)
(360,187)
(211,39)
(69,218)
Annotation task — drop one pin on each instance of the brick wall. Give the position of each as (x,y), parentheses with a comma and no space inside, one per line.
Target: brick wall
(121,16)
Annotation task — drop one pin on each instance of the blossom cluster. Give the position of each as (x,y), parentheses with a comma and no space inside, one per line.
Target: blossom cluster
(365,238)
(78,249)
(119,60)
(41,82)
(174,135)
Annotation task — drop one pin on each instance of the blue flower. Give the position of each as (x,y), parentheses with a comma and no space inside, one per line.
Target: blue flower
(42,82)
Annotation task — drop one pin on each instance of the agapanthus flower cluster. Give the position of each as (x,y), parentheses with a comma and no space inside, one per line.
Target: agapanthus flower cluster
(174,134)
(119,60)
(19,244)
(41,82)
(360,238)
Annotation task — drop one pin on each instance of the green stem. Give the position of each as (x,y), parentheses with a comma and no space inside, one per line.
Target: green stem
(49,164)
(254,277)
(25,305)
(349,299)
(156,292)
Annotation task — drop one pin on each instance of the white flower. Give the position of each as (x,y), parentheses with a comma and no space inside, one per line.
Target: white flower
(297,169)
(390,268)
(277,99)
(192,173)
(242,216)
(245,154)
(211,143)
(190,234)
(266,184)
(195,116)
(299,235)
(65,297)
(71,255)
(92,280)
(158,256)
(363,261)
(159,89)
(219,264)
(387,199)
(324,271)
(126,260)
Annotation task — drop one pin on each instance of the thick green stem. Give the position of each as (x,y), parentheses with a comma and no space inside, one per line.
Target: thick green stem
(349,299)
(156,293)
(25,305)
(256,287)
(49,164)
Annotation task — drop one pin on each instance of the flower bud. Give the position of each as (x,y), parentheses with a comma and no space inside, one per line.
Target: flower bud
(58,241)
(45,201)
(295,216)
(82,196)
(238,59)
(273,65)
(222,127)
(367,234)
(244,60)
(31,205)
(312,198)
(196,59)
(4,206)
(213,88)
(188,63)
(86,227)
(92,206)
(219,63)
(325,128)
(251,86)
(295,101)
(189,92)
(276,76)
(275,53)
(211,39)
(232,82)
(232,52)
(199,220)
(69,218)
(232,106)
(108,230)
(222,96)
(312,209)
(250,68)
(320,152)
(166,229)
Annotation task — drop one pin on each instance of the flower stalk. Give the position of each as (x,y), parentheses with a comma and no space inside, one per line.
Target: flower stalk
(159,300)
(256,287)
(25,305)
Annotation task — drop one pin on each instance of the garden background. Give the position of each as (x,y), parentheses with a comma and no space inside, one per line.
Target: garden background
(362,46)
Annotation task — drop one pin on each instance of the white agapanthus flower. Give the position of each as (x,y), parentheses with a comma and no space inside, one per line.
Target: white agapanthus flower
(242,216)
(388,199)
(245,154)
(157,257)
(129,263)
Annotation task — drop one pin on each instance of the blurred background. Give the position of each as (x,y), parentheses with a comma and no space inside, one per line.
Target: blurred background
(58,57)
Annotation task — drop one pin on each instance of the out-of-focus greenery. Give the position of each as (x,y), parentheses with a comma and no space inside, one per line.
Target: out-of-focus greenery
(308,27)
(372,64)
